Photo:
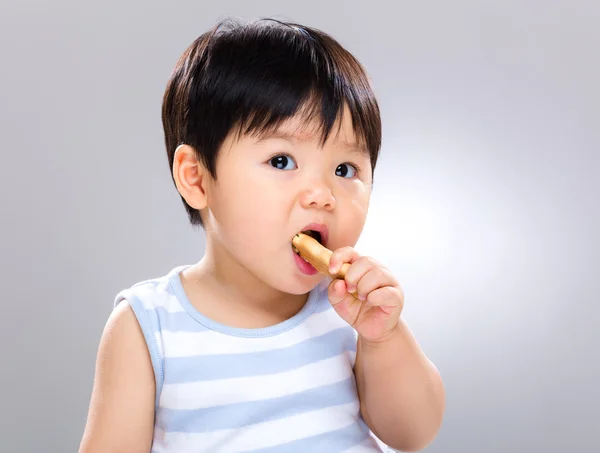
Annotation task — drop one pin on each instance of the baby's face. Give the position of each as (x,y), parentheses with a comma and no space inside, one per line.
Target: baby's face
(270,188)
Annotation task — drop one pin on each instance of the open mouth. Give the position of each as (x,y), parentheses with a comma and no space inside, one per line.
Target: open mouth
(313,234)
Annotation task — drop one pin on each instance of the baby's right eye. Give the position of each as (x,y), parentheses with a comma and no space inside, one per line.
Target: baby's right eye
(282,162)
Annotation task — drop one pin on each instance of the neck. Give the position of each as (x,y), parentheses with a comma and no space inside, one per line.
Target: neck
(239,289)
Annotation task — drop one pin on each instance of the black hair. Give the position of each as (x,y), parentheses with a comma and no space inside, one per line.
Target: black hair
(255,75)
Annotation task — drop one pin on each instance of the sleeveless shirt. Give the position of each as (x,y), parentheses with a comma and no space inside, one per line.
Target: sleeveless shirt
(285,388)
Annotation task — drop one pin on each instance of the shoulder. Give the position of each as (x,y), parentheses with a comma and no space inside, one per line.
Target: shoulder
(122,328)
(152,305)
(151,293)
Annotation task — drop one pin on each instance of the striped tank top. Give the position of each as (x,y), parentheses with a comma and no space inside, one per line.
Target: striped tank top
(286,388)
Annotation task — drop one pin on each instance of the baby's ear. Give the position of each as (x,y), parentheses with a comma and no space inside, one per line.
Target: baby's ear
(190,177)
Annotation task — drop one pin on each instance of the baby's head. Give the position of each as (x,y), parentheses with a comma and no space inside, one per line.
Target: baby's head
(271,128)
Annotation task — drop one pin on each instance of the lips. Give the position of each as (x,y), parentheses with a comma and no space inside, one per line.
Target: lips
(318,231)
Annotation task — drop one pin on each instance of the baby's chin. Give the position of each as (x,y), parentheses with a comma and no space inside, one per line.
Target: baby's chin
(297,286)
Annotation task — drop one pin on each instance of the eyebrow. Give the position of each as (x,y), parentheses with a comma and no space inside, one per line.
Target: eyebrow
(295,138)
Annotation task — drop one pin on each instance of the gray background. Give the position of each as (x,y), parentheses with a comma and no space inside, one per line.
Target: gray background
(485,205)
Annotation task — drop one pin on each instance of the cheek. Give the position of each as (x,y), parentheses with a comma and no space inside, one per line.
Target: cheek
(356,200)
(249,212)
(353,215)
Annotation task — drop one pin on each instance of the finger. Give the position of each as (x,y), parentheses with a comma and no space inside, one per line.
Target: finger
(337,291)
(375,277)
(343,302)
(341,256)
(357,270)
(387,298)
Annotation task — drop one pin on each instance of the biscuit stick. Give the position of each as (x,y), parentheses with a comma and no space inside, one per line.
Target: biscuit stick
(316,254)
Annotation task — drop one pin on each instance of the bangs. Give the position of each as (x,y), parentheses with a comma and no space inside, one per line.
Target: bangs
(313,115)
(257,77)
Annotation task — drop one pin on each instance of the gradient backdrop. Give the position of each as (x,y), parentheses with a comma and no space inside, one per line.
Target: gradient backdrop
(486,203)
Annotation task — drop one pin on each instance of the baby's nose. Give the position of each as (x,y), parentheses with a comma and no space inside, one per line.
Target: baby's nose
(317,195)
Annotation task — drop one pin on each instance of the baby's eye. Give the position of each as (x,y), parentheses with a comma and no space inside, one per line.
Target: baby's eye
(346,171)
(282,162)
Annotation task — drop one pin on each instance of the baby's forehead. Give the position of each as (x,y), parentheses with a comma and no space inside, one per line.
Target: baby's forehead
(298,130)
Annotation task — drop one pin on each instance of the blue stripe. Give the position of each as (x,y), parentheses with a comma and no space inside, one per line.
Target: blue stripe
(332,442)
(179,321)
(224,366)
(238,415)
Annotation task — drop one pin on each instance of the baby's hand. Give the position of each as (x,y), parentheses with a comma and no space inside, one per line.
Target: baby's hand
(374,311)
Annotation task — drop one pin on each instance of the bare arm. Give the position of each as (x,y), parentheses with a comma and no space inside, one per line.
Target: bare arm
(121,412)
(401,392)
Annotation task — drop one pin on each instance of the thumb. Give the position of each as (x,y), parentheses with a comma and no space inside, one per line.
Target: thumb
(343,302)
(338,292)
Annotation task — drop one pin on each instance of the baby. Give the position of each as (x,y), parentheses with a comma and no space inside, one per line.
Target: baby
(271,129)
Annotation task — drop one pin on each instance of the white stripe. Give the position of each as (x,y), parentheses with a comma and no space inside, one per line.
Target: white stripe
(368,446)
(159,345)
(204,394)
(261,435)
(153,295)
(184,344)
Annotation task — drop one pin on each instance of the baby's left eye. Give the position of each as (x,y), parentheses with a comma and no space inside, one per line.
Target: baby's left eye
(346,171)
